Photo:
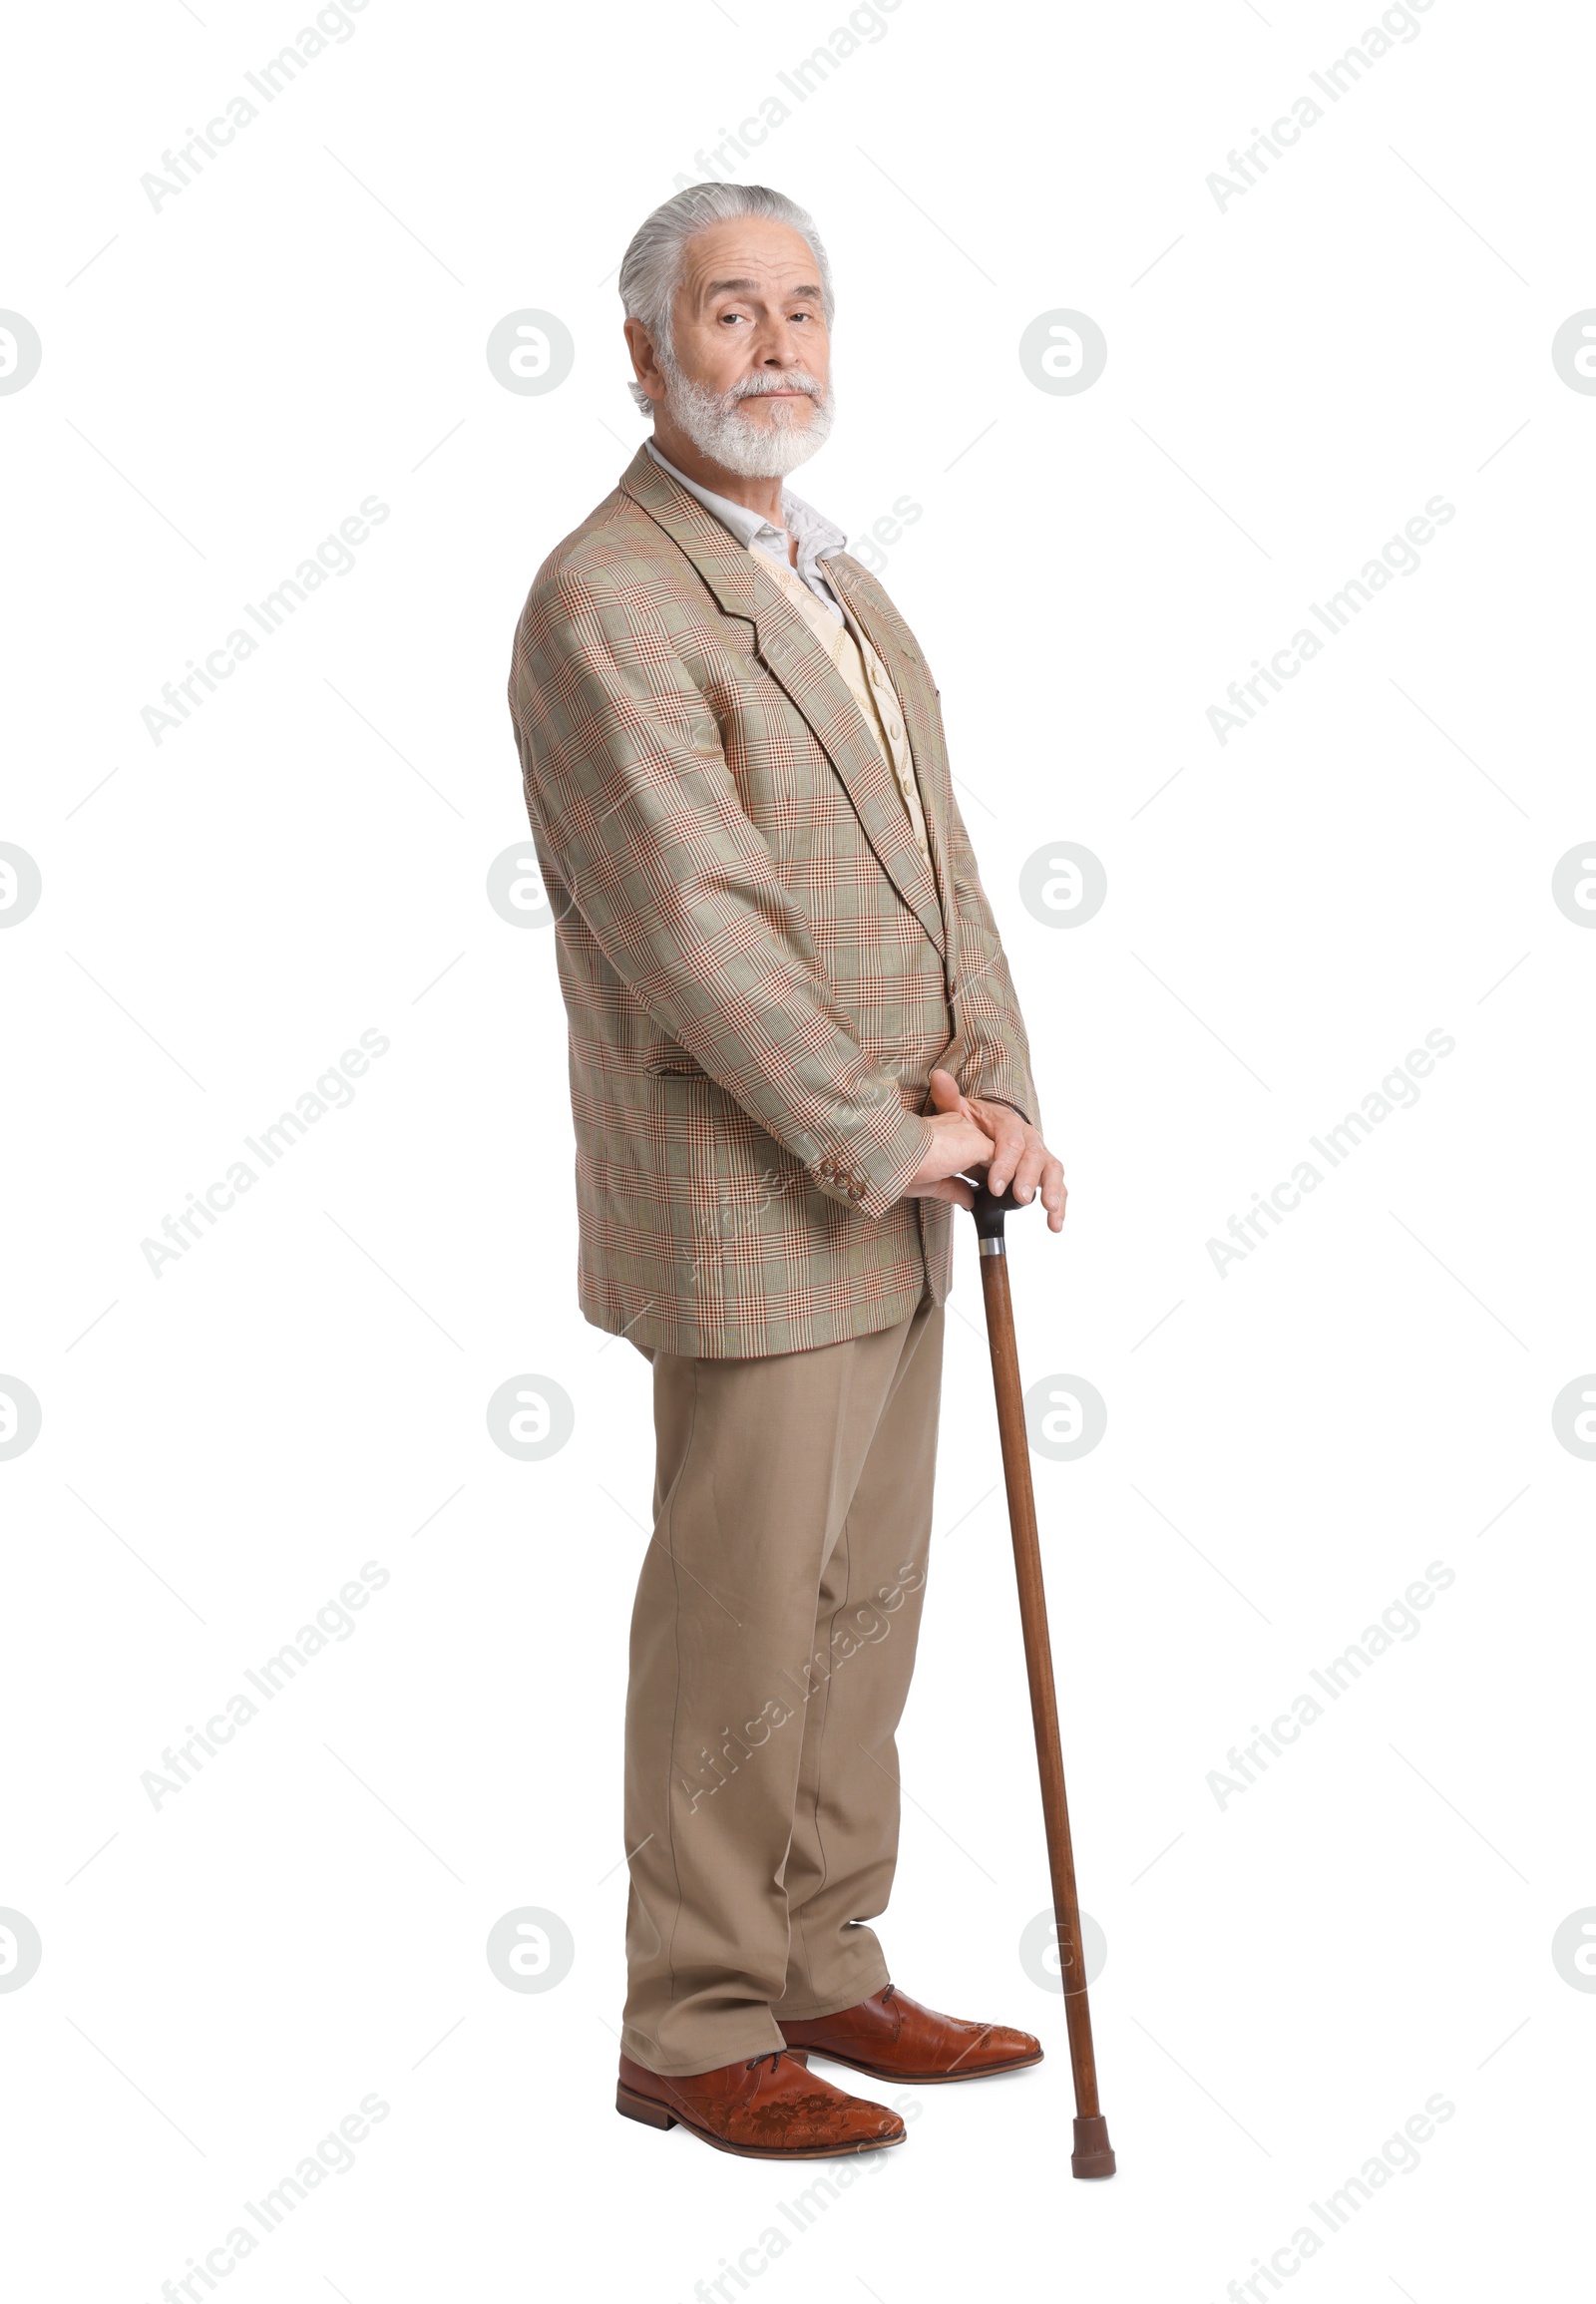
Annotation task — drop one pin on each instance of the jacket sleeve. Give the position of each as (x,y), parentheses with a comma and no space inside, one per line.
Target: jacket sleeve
(987,1011)
(628,785)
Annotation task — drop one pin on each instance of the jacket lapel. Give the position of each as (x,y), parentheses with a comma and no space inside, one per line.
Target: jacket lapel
(801,668)
(916,694)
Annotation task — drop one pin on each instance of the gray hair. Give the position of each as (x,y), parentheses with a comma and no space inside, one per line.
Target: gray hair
(650,269)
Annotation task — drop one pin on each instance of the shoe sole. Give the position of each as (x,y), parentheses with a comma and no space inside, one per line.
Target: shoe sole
(924,2079)
(655,2115)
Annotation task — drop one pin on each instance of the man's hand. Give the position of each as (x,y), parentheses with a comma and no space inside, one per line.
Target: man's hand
(960,1141)
(1016,1150)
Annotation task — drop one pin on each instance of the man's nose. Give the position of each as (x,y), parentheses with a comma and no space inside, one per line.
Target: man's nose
(780,347)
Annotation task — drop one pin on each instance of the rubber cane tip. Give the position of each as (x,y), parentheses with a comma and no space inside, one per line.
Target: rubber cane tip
(1094,2154)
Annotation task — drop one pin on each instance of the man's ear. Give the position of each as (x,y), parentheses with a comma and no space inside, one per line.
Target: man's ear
(644,363)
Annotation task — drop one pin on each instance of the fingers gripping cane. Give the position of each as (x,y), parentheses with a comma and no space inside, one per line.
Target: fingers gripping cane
(1094,2154)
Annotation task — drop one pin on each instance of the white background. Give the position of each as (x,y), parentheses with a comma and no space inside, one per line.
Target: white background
(1290,378)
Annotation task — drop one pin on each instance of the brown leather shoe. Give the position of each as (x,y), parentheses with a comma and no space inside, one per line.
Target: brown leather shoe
(767,2108)
(893,2038)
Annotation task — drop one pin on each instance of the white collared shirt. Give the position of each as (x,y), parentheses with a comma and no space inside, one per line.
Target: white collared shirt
(815,536)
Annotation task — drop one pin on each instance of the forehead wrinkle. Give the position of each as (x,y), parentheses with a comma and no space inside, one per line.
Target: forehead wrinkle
(753,288)
(697,288)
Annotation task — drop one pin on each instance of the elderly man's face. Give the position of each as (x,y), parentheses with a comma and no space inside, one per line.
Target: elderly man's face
(749,306)
(748,379)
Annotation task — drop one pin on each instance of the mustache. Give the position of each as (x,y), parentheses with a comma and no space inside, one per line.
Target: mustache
(761,387)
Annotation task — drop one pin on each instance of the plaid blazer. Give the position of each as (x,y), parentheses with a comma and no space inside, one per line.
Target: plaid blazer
(759,968)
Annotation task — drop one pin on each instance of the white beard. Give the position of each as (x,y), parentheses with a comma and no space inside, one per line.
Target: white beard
(763,451)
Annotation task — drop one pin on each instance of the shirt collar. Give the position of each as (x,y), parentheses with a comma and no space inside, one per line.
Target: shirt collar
(816,536)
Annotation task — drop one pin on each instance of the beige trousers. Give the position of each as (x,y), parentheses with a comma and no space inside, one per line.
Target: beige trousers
(772,1643)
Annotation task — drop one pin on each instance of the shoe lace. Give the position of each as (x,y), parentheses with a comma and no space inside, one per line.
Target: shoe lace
(754,2061)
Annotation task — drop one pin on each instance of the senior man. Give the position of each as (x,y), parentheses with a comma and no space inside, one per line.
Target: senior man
(792,1029)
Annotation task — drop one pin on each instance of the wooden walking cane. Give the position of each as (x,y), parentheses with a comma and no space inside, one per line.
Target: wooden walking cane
(1094,2154)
